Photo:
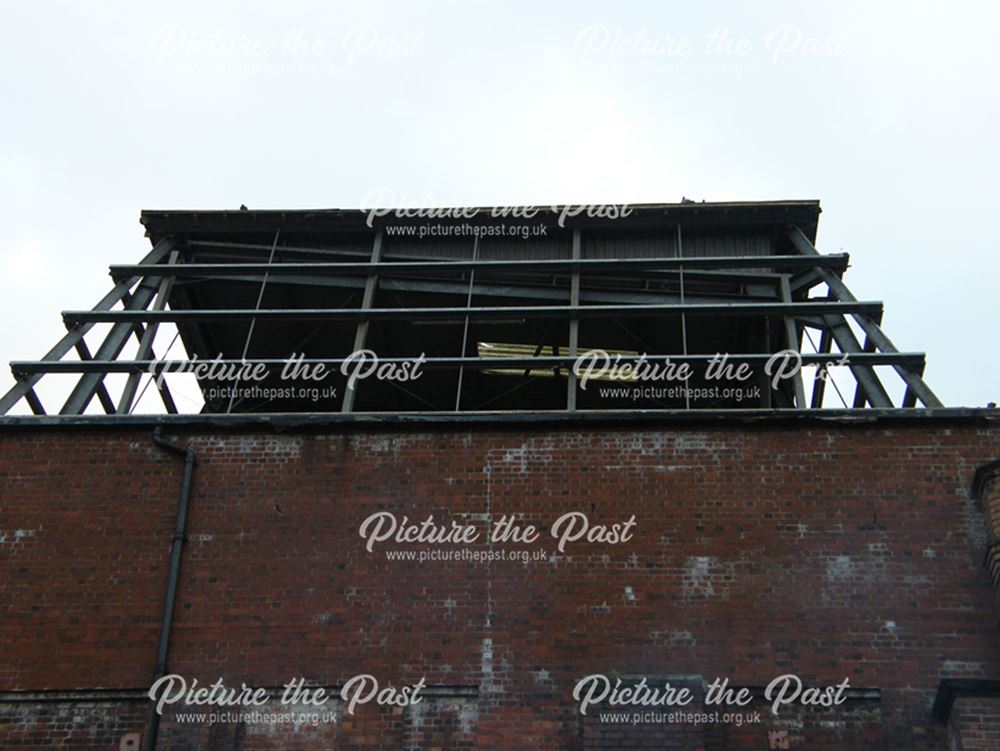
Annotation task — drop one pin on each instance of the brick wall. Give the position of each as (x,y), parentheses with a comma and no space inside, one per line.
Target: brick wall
(988,490)
(83,725)
(825,550)
(974,724)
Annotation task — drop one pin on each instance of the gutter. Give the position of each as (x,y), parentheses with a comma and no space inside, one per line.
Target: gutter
(176,547)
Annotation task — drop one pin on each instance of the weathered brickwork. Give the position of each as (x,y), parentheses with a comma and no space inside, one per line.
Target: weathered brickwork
(988,488)
(83,725)
(974,724)
(829,551)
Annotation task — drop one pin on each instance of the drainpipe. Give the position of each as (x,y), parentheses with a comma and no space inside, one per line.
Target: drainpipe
(176,546)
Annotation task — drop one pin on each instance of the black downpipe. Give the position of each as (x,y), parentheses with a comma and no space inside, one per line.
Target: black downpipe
(176,547)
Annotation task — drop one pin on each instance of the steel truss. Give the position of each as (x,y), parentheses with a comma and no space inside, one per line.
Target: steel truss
(140,301)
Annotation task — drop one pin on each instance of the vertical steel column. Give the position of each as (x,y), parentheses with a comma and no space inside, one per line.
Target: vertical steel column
(574,322)
(684,328)
(465,328)
(253,321)
(791,334)
(819,384)
(361,334)
(859,395)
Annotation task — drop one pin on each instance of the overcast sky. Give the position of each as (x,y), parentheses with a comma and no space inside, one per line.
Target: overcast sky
(887,113)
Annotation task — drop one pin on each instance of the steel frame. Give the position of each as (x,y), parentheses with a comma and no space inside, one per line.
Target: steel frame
(143,292)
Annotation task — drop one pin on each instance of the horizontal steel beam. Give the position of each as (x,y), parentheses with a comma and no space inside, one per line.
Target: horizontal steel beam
(586,265)
(484,313)
(757,289)
(769,277)
(912,359)
(661,419)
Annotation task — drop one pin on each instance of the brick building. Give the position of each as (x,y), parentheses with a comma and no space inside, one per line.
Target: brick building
(770,532)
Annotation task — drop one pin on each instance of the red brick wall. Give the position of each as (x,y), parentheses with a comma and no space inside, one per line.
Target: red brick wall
(990,493)
(974,724)
(88,725)
(827,551)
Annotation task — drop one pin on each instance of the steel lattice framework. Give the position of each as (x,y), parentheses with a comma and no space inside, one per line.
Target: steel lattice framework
(216,284)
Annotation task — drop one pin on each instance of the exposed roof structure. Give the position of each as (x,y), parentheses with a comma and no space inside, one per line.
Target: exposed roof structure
(494,307)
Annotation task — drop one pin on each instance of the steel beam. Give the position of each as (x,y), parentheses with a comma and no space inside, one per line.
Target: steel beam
(836,261)
(465,327)
(866,378)
(253,321)
(753,282)
(871,328)
(145,344)
(684,341)
(859,394)
(524,290)
(550,362)
(34,402)
(819,383)
(514,312)
(110,348)
(574,321)
(368,298)
(83,352)
(792,337)
(805,280)
(75,335)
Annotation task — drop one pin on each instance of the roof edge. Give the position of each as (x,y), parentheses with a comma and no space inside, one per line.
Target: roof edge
(804,213)
(746,418)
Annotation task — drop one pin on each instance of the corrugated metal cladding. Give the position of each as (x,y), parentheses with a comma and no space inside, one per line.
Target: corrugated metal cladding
(489,248)
(650,245)
(594,246)
(726,245)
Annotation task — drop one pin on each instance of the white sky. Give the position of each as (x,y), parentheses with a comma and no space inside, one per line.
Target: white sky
(888,113)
